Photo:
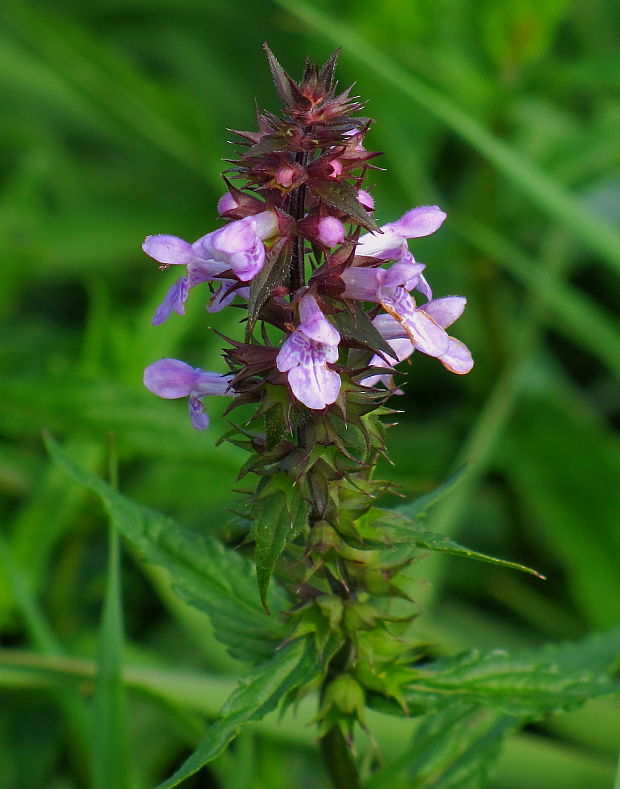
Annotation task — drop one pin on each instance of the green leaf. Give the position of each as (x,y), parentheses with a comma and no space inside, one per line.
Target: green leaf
(452,749)
(343,196)
(273,273)
(360,328)
(419,508)
(215,579)
(279,514)
(530,685)
(392,529)
(260,692)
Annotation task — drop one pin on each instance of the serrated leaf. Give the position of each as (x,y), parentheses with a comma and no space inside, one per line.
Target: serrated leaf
(280,78)
(343,196)
(259,693)
(279,515)
(529,685)
(273,273)
(452,749)
(359,327)
(205,573)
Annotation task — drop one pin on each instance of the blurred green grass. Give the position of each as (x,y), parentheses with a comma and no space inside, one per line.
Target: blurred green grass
(113,125)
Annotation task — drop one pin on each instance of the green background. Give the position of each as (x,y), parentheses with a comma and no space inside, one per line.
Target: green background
(113,123)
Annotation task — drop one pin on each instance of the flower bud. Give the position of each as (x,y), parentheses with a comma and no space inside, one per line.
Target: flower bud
(345,694)
(327,231)
(359,616)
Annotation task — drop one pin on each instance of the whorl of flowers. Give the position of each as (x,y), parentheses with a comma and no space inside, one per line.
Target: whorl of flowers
(299,249)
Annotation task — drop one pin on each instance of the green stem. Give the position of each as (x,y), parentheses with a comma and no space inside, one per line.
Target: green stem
(338,760)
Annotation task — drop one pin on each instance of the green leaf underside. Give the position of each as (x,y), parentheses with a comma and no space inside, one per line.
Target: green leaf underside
(204,573)
(343,196)
(279,517)
(452,749)
(359,327)
(259,693)
(390,529)
(528,685)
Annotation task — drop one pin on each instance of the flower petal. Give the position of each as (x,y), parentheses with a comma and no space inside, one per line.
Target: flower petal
(292,352)
(424,333)
(197,413)
(445,311)
(170,378)
(170,250)
(457,358)
(404,275)
(417,222)
(174,301)
(314,385)
(314,324)
(386,245)
(361,283)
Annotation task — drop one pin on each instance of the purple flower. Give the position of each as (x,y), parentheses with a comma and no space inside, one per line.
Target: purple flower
(444,312)
(236,247)
(305,355)
(389,287)
(171,379)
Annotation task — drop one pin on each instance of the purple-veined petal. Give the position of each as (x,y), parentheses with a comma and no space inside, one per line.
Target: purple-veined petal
(314,324)
(170,378)
(457,358)
(197,413)
(424,333)
(314,385)
(174,301)
(445,311)
(170,250)
(291,352)
(362,283)
(249,262)
(417,222)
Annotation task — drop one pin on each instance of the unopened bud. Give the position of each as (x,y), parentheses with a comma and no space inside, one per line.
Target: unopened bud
(346,694)
(328,231)
(366,199)
(226,203)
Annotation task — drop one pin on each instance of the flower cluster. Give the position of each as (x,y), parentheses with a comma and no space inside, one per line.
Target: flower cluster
(329,312)
(292,252)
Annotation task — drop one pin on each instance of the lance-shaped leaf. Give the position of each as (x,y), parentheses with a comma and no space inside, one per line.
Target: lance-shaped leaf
(279,514)
(203,572)
(358,328)
(343,196)
(528,685)
(391,529)
(452,749)
(273,273)
(259,693)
